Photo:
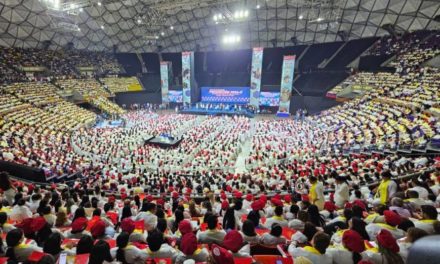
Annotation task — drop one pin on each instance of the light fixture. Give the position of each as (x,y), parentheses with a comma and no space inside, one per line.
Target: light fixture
(102,26)
(162,33)
(139,21)
(241,14)
(231,39)
(258,6)
(72,5)
(215,17)
(172,28)
(301,17)
(319,19)
(79,29)
(157,37)
(99,3)
(81,9)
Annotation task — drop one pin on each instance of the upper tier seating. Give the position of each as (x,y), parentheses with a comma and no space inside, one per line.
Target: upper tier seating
(122,84)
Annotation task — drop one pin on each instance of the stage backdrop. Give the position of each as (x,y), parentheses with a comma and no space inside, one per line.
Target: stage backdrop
(286,83)
(226,95)
(175,96)
(187,75)
(269,99)
(257,62)
(165,67)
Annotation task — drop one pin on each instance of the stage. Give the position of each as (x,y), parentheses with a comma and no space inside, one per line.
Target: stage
(163,142)
(217,112)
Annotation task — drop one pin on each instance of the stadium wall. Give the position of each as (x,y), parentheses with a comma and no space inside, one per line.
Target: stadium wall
(23,172)
(141,97)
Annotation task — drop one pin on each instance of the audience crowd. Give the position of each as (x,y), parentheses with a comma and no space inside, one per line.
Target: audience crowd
(318,190)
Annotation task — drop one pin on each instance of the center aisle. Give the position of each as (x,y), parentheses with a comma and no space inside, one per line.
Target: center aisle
(240,164)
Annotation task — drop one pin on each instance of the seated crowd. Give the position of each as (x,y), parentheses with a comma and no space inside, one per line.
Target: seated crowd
(228,221)
(58,62)
(121,84)
(297,195)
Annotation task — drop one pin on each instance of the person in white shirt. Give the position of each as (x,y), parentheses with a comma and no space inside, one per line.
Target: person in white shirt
(278,218)
(34,202)
(350,252)
(17,249)
(212,235)
(274,237)
(128,253)
(422,191)
(387,251)
(392,220)
(413,234)
(317,253)
(20,211)
(157,248)
(429,217)
(342,192)
(148,215)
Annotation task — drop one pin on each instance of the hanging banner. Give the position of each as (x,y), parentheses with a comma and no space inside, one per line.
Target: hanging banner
(187,76)
(164,80)
(257,63)
(286,83)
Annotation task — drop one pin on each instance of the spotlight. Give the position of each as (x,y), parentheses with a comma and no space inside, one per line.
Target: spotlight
(139,21)
(236,14)
(258,6)
(172,28)
(231,39)
(102,27)
(246,13)
(157,37)
(216,22)
(301,17)
(319,19)
(99,3)
(72,6)
(79,29)
(162,33)
(215,17)
(81,9)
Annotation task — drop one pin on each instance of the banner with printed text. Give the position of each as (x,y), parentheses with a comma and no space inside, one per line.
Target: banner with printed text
(257,63)
(164,80)
(187,58)
(286,83)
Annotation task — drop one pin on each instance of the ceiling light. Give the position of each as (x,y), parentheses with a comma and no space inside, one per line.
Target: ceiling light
(171,27)
(102,27)
(157,37)
(79,29)
(99,3)
(216,22)
(162,33)
(258,6)
(81,9)
(236,14)
(319,19)
(246,13)
(139,21)
(301,17)
(215,17)
(231,39)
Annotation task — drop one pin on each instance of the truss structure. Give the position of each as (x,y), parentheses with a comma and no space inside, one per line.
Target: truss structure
(179,25)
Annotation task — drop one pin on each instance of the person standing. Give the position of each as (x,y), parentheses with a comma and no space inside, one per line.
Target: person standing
(316,193)
(342,192)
